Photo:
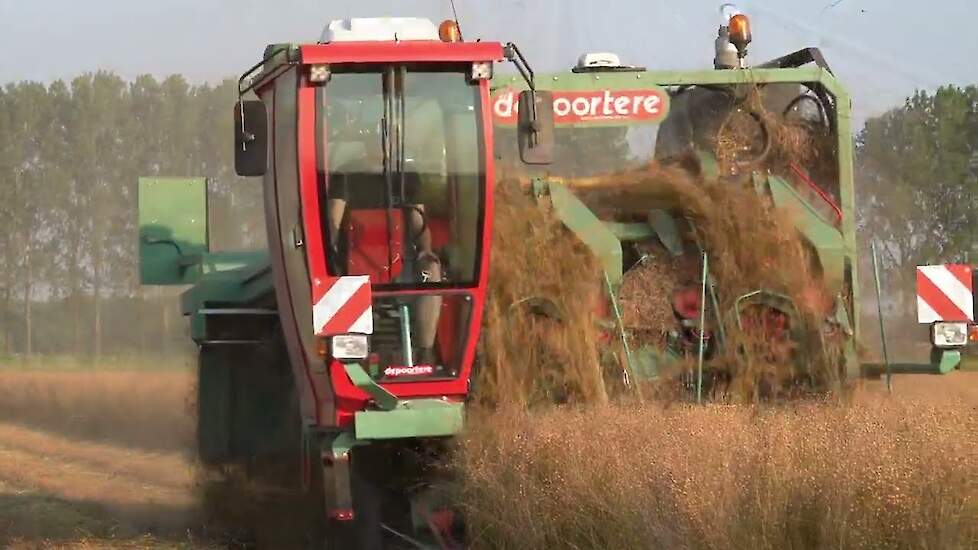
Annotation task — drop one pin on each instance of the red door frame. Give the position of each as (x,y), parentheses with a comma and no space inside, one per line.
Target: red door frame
(350,399)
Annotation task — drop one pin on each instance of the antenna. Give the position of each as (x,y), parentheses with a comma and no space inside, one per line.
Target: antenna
(457,24)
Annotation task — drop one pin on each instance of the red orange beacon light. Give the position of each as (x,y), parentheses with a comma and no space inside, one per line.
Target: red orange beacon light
(740,31)
(449,31)
(734,36)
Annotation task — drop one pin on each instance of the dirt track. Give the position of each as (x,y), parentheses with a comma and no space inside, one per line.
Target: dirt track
(955,387)
(56,492)
(96,459)
(61,489)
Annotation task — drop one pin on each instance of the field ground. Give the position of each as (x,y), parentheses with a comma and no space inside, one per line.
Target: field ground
(954,387)
(69,363)
(58,492)
(96,459)
(896,473)
(100,459)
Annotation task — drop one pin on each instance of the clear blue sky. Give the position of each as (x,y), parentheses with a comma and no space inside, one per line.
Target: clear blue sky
(881,52)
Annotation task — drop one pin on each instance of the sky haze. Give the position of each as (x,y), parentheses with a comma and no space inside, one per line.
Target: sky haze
(882,50)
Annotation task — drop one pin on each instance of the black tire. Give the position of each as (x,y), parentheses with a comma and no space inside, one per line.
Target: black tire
(214,405)
(380,497)
(247,408)
(365,531)
(265,423)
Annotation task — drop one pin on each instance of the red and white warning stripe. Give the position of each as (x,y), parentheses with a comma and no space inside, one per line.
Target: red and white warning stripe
(343,307)
(945,293)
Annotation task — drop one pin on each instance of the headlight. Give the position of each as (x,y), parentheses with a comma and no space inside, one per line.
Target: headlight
(349,347)
(949,335)
(482,70)
(319,73)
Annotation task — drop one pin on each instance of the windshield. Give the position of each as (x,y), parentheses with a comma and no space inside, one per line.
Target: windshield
(402,174)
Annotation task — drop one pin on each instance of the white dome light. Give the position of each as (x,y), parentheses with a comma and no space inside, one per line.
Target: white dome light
(598,59)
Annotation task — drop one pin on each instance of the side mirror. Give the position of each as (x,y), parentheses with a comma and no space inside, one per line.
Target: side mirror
(536,127)
(250,138)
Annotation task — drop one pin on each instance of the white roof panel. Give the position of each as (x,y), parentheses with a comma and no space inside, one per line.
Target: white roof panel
(378,29)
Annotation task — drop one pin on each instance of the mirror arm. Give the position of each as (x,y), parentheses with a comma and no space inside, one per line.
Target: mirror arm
(513,53)
(250,79)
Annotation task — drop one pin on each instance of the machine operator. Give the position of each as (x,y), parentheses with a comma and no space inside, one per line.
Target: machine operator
(359,183)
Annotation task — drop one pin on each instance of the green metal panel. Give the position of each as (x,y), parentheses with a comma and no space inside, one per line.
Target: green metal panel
(619,81)
(824,237)
(622,81)
(229,280)
(383,398)
(950,359)
(416,418)
(570,81)
(667,230)
(630,231)
(172,229)
(647,362)
(851,357)
(847,192)
(245,264)
(591,230)
(237,278)
(398,419)
(948,362)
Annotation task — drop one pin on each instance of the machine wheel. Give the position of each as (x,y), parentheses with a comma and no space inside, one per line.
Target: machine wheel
(247,411)
(265,423)
(369,483)
(368,503)
(383,479)
(214,405)
(249,436)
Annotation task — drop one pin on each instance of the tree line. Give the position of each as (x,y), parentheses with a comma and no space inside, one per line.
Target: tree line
(71,154)
(916,191)
(70,157)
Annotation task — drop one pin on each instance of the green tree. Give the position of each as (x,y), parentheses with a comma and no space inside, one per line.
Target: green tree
(29,120)
(70,156)
(100,145)
(917,176)
(8,219)
(916,182)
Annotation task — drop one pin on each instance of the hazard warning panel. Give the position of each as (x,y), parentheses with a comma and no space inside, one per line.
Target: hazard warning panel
(945,293)
(345,307)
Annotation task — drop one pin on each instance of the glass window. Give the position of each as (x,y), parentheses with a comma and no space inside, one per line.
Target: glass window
(402,174)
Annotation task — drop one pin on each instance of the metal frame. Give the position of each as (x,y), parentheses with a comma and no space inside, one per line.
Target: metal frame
(277,68)
(811,74)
